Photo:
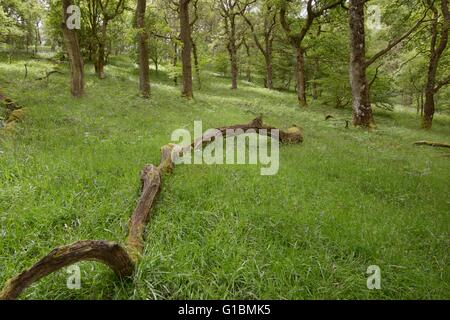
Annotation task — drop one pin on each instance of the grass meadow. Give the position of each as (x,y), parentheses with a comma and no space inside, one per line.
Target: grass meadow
(343,200)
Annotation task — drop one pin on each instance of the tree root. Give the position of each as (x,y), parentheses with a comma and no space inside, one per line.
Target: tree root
(122,259)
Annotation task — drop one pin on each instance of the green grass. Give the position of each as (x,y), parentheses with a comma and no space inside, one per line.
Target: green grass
(342,201)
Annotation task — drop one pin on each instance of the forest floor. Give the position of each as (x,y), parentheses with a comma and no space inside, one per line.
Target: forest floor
(343,200)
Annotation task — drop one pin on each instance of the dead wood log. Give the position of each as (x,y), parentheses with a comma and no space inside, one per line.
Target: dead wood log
(432,144)
(151,183)
(109,253)
(291,135)
(122,259)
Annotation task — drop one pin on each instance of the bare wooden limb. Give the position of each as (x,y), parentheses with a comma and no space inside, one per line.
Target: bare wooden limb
(432,144)
(108,253)
(151,183)
(166,163)
(122,259)
(291,135)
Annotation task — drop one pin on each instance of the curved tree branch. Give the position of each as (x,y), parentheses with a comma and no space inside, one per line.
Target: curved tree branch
(108,253)
(122,259)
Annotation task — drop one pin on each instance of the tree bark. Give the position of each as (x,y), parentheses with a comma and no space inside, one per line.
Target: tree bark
(196,63)
(232,46)
(362,110)
(234,68)
(314,86)
(175,60)
(101,60)
(75,58)
(301,78)
(269,68)
(232,49)
(248,70)
(186,39)
(144,70)
(436,51)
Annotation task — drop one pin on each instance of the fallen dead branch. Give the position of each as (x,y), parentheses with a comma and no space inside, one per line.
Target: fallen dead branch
(432,144)
(123,258)
(109,253)
(48,74)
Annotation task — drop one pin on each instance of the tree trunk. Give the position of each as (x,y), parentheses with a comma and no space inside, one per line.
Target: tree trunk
(101,58)
(269,67)
(301,78)
(428,106)
(314,86)
(144,71)
(75,58)
(232,49)
(362,110)
(196,63)
(175,60)
(436,53)
(421,103)
(185,35)
(248,71)
(234,68)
